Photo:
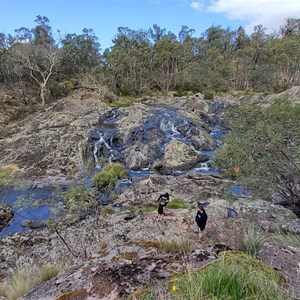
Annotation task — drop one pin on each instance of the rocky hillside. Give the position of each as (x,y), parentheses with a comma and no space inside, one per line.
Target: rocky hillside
(166,146)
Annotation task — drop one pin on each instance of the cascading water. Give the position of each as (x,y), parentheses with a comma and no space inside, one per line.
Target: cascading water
(100,143)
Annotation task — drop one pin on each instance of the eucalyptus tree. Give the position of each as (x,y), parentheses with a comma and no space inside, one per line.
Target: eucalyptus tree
(241,60)
(79,54)
(286,53)
(39,62)
(264,146)
(187,57)
(165,63)
(157,33)
(35,55)
(128,61)
(42,32)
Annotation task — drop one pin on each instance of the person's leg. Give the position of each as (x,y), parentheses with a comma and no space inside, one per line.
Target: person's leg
(200,234)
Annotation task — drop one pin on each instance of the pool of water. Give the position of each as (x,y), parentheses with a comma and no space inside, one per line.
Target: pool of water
(22,200)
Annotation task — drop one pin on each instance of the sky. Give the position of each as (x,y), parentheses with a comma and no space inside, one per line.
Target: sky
(105,16)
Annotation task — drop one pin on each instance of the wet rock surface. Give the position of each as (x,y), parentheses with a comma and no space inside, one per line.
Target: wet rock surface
(6,214)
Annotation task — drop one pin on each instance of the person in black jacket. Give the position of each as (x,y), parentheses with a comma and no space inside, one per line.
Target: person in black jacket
(163,201)
(201,219)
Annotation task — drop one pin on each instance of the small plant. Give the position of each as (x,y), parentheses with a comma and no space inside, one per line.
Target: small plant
(76,198)
(25,280)
(46,272)
(20,284)
(233,276)
(208,95)
(177,203)
(252,242)
(6,177)
(106,210)
(143,208)
(109,176)
(122,102)
(288,239)
(180,245)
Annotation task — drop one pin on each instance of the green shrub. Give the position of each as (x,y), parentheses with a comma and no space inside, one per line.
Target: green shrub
(122,102)
(106,210)
(76,198)
(177,203)
(109,176)
(6,177)
(252,242)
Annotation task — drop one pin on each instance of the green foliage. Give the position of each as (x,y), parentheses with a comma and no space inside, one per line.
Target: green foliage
(208,95)
(6,177)
(143,208)
(252,242)
(106,210)
(109,176)
(264,144)
(177,245)
(144,61)
(233,276)
(177,203)
(76,198)
(122,102)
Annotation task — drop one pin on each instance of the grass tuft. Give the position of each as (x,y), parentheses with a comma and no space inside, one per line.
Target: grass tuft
(288,239)
(180,245)
(177,203)
(233,276)
(24,281)
(252,242)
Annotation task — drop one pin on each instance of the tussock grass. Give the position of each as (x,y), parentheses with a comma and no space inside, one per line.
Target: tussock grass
(24,281)
(234,276)
(177,245)
(252,242)
(288,239)
(20,284)
(46,272)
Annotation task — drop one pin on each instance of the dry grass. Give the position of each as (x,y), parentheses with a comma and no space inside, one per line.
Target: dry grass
(24,281)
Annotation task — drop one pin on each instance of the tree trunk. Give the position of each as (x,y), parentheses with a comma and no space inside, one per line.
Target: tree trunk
(42,93)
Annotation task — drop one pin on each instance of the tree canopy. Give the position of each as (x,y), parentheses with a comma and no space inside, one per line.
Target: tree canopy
(154,60)
(263,151)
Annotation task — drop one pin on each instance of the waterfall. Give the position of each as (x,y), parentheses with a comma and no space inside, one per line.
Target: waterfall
(169,128)
(99,145)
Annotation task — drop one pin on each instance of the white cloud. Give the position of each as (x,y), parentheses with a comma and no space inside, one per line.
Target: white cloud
(269,13)
(197,5)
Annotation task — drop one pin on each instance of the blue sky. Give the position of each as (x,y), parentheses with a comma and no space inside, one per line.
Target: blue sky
(105,16)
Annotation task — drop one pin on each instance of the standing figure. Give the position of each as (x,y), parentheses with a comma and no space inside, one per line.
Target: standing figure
(201,218)
(163,201)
